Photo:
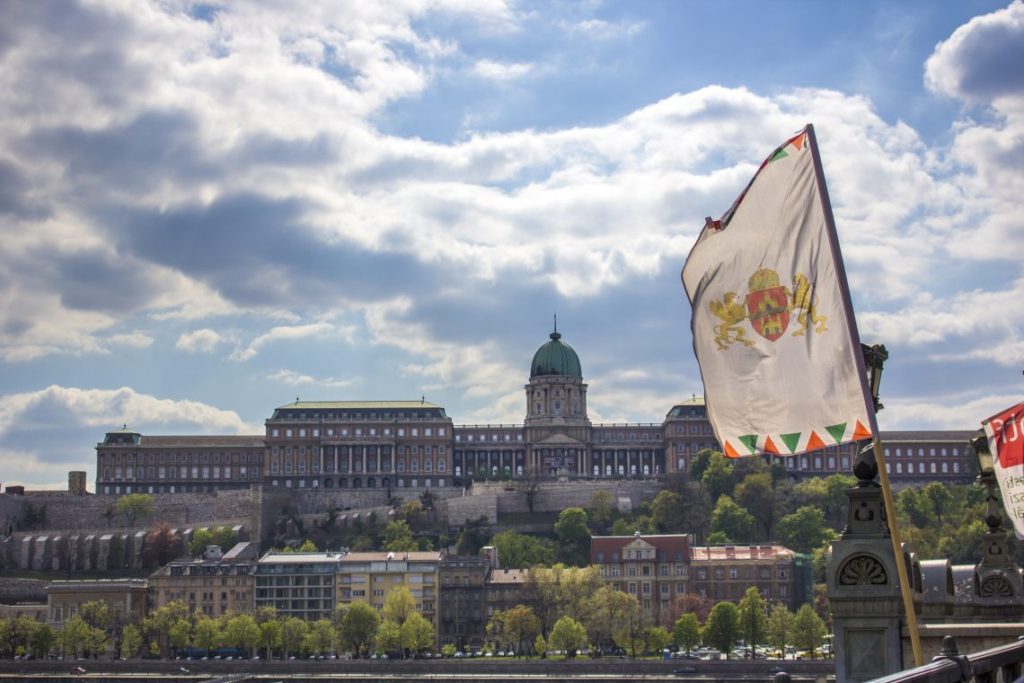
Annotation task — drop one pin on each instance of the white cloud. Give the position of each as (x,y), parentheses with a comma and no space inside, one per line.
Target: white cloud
(501,71)
(297,379)
(291,332)
(133,340)
(199,341)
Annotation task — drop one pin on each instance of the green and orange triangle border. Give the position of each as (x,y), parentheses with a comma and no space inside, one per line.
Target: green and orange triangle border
(791,443)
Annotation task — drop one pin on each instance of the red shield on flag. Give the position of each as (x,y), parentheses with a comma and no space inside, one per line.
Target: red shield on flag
(1005,432)
(769,311)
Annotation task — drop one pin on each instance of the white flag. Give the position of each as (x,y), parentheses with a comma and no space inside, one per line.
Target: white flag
(777,348)
(1005,433)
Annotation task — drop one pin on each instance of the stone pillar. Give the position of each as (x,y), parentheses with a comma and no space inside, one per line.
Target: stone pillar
(863,585)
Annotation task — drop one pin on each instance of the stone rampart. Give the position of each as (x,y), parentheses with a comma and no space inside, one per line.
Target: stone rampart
(556,496)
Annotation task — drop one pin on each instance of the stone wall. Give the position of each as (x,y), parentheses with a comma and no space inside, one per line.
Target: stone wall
(556,496)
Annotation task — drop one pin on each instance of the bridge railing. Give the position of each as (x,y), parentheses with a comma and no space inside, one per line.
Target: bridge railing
(1002,664)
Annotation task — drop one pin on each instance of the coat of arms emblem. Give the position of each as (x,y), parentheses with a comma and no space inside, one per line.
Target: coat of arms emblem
(768,305)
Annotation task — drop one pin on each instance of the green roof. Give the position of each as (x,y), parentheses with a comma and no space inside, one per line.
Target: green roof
(342,405)
(556,358)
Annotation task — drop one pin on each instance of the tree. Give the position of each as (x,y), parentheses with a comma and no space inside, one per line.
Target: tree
(722,629)
(686,632)
(417,633)
(201,538)
(320,637)
(667,512)
(573,536)
(270,636)
(558,591)
(520,626)
(180,634)
(307,546)
(777,630)
(600,510)
(242,631)
(732,520)
(692,602)
(473,536)
(569,636)
(42,640)
(161,545)
(718,479)
(134,506)
(808,629)
(131,641)
(206,633)
(699,463)
(540,646)
(359,627)
(293,632)
(753,620)
(657,639)
(630,630)
(76,636)
(389,638)
(519,551)
(803,530)
(398,537)
(756,494)
(399,605)
(608,608)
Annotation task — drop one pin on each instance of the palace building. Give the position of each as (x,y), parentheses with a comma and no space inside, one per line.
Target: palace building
(415,444)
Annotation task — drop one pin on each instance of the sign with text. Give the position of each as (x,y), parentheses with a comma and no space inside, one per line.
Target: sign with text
(1005,433)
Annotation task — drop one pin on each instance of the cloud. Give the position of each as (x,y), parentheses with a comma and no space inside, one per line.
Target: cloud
(501,71)
(980,61)
(199,341)
(287,333)
(296,379)
(134,340)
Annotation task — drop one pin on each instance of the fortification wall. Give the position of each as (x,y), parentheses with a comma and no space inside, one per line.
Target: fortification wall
(556,496)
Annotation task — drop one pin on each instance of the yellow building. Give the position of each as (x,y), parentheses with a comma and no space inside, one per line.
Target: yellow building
(372,576)
(215,585)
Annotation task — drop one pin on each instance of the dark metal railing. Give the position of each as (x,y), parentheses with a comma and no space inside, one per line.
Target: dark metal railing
(1001,664)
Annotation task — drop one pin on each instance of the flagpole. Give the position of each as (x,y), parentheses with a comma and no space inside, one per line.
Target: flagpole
(883,475)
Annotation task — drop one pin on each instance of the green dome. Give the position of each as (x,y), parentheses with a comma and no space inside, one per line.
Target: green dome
(556,358)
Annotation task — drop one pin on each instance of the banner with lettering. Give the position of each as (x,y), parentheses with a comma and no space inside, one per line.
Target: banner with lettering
(1005,433)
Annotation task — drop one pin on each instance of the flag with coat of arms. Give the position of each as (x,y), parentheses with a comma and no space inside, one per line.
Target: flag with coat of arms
(773,329)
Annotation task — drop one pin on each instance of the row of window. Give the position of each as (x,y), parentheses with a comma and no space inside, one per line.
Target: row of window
(315,432)
(175,457)
(173,472)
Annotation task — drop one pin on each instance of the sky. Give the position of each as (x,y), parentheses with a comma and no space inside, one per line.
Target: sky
(208,210)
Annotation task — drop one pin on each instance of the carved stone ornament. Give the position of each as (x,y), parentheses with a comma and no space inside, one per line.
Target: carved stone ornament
(996,587)
(863,570)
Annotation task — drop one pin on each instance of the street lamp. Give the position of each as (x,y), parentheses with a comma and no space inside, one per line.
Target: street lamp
(874,358)
(987,478)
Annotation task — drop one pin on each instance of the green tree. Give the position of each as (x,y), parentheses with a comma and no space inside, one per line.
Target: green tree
(76,636)
(417,633)
(803,530)
(540,646)
(206,633)
(134,506)
(293,632)
(180,634)
(686,632)
(398,537)
(320,637)
(569,636)
(520,626)
(756,494)
(573,536)
(808,629)
(399,605)
(42,640)
(131,641)
(270,636)
(519,551)
(201,538)
(657,639)
(157,626)
(389,638)
(700,462)
(600,510)
(722,629)
(608,608)
(778,628)
(359,628)
(719,479)
(753,619)
(242,631)
(667,512)
(630,629)
(732,520)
